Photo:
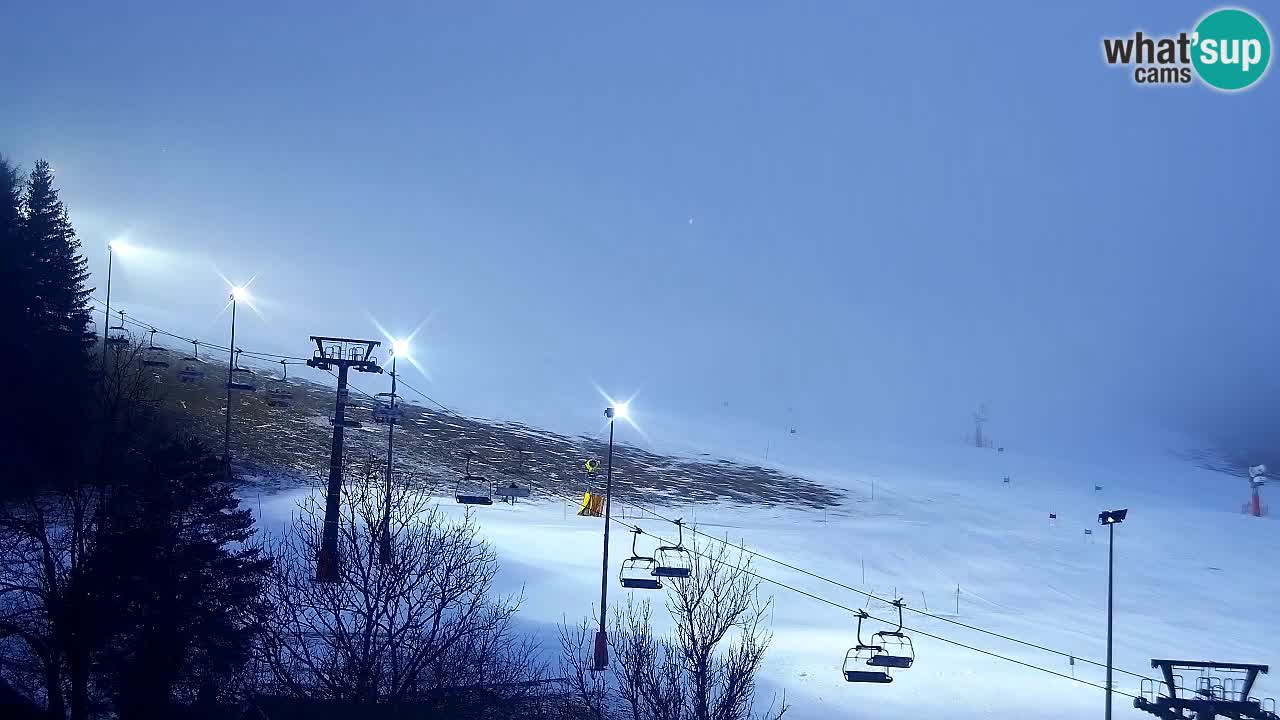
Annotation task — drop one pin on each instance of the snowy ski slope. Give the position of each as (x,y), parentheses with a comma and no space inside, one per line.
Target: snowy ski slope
(1195,578)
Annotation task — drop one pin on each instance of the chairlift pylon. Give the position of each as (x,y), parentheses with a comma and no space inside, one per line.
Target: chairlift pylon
(860,656)
(473,483)
(896,648)
(674,561)
(637,571)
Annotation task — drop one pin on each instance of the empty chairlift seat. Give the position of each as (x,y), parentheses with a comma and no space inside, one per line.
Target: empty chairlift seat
(383,414)
(241,377)
(896,650)
(193,368)
(637,571)
(858,661)
(673,561)
(154,356)
(473,489)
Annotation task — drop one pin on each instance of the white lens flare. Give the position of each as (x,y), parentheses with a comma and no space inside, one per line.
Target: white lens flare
(402,347)
(622,410)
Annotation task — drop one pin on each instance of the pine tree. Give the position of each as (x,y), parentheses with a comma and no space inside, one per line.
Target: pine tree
(188,582)
(45,277)
(15,259)
(60,304)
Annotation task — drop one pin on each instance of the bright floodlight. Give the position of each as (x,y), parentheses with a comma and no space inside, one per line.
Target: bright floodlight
(1112,517)
(620,410)
(121,247)
(399,347)
(241,294)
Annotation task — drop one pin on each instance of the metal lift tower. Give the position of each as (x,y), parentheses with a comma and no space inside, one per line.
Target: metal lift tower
(344,354)
(1221,690)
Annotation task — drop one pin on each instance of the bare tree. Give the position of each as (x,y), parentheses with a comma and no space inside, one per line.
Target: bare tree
(419,626)
(705,670)
(49,597)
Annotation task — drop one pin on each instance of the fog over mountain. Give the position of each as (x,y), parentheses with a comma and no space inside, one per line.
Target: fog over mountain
(741,216)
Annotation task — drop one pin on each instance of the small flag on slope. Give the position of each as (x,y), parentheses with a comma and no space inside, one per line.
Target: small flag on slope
(1097,488)
(1053,516)
(1087,531)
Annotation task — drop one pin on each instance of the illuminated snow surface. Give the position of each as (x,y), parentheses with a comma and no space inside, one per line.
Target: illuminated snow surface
(1195,578)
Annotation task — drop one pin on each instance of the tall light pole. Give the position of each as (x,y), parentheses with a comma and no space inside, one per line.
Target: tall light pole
(237,293)
(106,330)
(1110,518)
(602,638)
(398,347)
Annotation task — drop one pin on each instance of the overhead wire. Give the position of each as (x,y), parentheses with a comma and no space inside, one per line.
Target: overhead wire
(299,360)
(857,611)
(215,346)
(871,596)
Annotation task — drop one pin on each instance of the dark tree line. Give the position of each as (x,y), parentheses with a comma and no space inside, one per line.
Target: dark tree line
(130,582)
(46,325)
(133,584)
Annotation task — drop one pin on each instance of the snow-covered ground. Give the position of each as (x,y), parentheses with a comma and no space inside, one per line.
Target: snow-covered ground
(1194,578)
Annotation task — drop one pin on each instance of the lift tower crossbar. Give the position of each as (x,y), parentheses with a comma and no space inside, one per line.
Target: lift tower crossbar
(1221,690)
(344,354)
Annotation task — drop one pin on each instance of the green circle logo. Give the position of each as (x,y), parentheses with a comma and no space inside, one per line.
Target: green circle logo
(1232,49)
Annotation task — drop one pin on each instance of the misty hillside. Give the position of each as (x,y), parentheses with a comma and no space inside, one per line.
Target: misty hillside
(290,445)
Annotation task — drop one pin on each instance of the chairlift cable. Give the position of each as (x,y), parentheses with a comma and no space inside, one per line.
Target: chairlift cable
(872,596)
(276,356)
(858,611)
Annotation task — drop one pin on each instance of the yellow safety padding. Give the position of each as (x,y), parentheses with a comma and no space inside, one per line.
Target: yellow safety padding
(592,505)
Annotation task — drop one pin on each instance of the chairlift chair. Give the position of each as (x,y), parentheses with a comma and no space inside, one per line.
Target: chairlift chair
(118,335)
(896,650)
(192,370)
(637,571)
(154,356)
(860,656)
(674,561)
(511,491)
(473,482)
(279,395)
(241,385)
(380,412)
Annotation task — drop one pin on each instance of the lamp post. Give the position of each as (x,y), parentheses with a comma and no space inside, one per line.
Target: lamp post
(398,347)
(1110,518)
(602,638)
(106,326)
(237,293)
(112,247)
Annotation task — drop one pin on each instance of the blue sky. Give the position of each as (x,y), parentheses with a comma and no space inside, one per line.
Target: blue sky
(850,218)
